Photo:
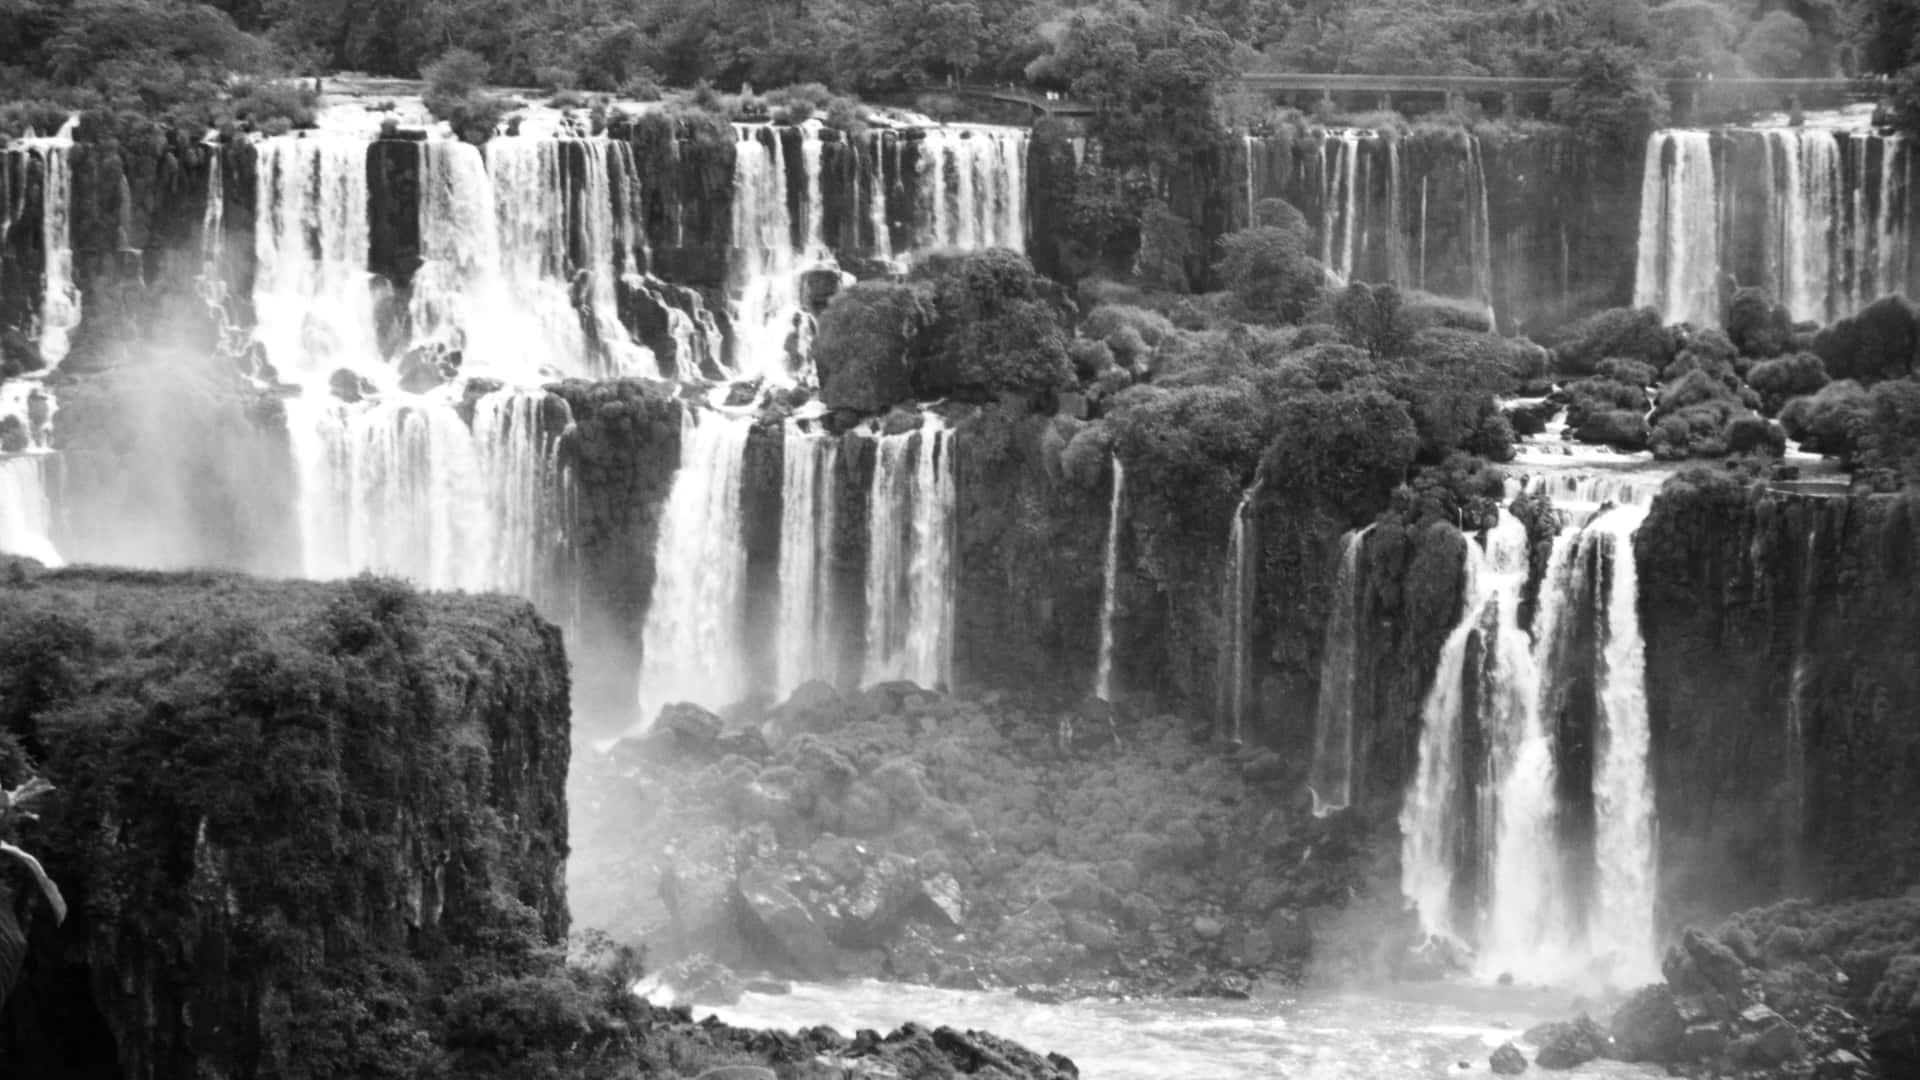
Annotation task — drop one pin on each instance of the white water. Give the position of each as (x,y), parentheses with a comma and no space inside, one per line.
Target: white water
(1828,219)
(1341,200)
(805,642)
(973,188)
(1431,827)
(764,291)
(312,295)
(1529,917)
(1394,1033)
(1236,617)
(1679,251)
(60,294)
(910,558)
(26,514)
(1109,585)
(691,647)
(403,486)
(1331,776)
(1622,930)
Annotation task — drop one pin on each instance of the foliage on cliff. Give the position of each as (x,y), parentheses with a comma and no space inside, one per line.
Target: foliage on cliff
(306,821)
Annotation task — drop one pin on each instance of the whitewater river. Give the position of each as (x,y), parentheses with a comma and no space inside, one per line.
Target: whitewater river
(1385,1034)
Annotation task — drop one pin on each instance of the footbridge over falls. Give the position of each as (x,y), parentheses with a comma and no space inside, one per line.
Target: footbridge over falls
(1690,97)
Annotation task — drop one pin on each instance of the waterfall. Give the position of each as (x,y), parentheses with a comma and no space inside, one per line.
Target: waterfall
(973,188)
(1799,692)
(691,646)
(26,515)
(764,290)
(1814,216)
(605,242)
(1247,145)
(1341,201)
(1484,683)
(312,295)
(1622,926)
(60,294)
(1493,851)
(873,146)
(1237,616)
(1330,780)
(910,558)
(1110,585)
(404,486)
(1678,272)
(805,642)
(1480,222)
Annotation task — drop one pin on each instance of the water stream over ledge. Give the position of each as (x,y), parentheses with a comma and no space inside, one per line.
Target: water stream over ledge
(1384,1033)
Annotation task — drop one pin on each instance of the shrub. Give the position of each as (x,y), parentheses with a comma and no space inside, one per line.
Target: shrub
(1348,449)
(994,329)
(1621,429)
(1631,372)
(454,94)
(1269,273)
(262,103)
(1372,318)
(1877,343)
(1831,421)
(1628,333)
(1756,325)
(1777,381)
(863,342)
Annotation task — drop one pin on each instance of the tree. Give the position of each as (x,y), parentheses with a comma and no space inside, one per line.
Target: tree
(1613,101)
(1777,45)
(1268,270)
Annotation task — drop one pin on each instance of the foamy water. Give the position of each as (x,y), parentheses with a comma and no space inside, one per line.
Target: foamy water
(1387,1034)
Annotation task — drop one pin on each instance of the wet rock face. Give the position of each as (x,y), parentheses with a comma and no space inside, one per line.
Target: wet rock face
(1779,631)
(323,793)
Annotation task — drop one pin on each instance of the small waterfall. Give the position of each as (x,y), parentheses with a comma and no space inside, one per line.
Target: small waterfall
(1679,247)
(874,147)
(605,241)
(1342,199)
(312,295)
(1480,222)
(691,646)
(1237,617)
(1248,147)
(26,514)
(404,486)
(973,188)
(1485,682)
(1622,927)
(1331,776)
(764,294)
(910,558)
(806,643)
(1110,585)
(1799,692)
(60,294)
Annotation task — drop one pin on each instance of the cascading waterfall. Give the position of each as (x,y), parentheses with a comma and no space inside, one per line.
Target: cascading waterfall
(60,294)
(1679,250)
(985,168)
(691,646)
(805,643)
(1341,200)
(1330,779)
(1485,682)
(312,294)
(1816,216)
(404,486)
(909,590)
(1493,854)
(1237,617)
(1621,930)
(764,294)
(1110,585)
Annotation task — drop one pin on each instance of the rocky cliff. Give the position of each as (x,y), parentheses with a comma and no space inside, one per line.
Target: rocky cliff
(1781,686)
(290,819)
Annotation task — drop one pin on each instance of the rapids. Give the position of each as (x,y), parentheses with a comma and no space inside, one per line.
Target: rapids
(1390,1033)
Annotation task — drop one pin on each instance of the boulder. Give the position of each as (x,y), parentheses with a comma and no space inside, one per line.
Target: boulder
(702,981)
(348,386)
(942,895)
(692,728)
(1770,1040)
(876,905)
(775,917)
(1648,1026)
(1565,1044)
(1508,1060)
(1702,965)
(1701,1041)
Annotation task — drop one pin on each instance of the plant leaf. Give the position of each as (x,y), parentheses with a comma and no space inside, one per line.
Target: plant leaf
(47,886)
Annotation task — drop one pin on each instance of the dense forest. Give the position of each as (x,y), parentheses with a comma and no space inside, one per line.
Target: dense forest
(160,50)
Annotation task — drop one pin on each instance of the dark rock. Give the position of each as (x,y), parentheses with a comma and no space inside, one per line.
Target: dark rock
(1508,1060)
(943,896)
(1701,1041)
(692,728)
(13,434)
(738,1072)
(879,901)
(819,286)
(1770,1041)
(1565,1044)
(778,918)
(1700,964)
(1648,1026)
(700,980)
(349,386)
